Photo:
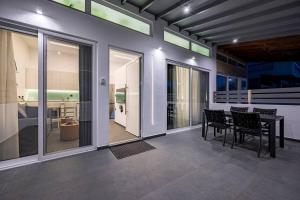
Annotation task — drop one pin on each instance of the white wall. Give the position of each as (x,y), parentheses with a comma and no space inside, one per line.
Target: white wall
(290,113)
(21,54)
(154,94)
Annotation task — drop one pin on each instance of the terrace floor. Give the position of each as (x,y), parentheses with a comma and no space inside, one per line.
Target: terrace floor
(183,166)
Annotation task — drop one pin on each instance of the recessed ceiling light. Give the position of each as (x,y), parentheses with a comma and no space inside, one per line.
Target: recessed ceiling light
(234,41)
(186,9)
(38,11)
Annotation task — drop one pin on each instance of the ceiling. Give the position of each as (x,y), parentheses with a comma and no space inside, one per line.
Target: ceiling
(118,59)
(220,21)
(276,49)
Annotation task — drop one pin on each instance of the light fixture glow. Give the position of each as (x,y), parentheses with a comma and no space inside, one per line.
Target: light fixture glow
(38,11)
(64,45)
(193,58)
(186,9)
(234,41)
(123,57)
(58,53)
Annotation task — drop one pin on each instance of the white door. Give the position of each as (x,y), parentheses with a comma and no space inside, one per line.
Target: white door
(133,98)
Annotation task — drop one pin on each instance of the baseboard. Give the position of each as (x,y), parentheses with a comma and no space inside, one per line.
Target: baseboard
(291,139)
(154,136)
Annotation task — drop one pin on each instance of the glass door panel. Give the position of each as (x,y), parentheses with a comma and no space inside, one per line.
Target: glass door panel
(18,95)
(178,97)
(199,95)
(68,109)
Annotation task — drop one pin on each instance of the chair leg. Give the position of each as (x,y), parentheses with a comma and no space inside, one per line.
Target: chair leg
(206,133)
(241,138)
(235,135)
(233,138)
(269,141)
(259,148)
(225,137)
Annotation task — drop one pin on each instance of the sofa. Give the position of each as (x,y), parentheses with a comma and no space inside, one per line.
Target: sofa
(28,129)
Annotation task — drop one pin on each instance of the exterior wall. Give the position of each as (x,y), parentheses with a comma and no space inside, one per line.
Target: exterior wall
(154,95)
(290,113)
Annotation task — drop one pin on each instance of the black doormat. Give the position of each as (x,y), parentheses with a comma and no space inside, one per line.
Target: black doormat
(126,150)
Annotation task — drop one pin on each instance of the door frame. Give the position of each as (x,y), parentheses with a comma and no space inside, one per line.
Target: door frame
(190,67)
(40,34)
(141,80)
(21,161)
(43,35)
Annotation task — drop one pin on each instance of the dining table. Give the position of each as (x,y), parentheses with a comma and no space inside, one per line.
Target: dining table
(271,120)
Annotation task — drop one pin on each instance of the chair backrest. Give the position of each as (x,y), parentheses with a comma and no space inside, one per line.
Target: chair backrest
(246,120)
(219,117)
(215,116)
(265,111)
(209,114)
(239,109)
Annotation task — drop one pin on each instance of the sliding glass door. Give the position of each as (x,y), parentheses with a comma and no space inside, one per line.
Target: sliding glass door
(199,90)
(187,96)
(68,95)
(178,96)
(18,107)
(45,95)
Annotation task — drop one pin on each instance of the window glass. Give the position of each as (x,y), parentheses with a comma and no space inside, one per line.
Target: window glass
(69,95)
(232,83)
(174,39)
(18,111)
(244,84)
(221,83)
(200,49)
(76,4)
(199,95)
(178,97)
(117,17)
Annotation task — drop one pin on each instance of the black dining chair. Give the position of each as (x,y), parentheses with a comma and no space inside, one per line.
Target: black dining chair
(217,120)
(266,126)
(236,109)
(239,109)
(247,124)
